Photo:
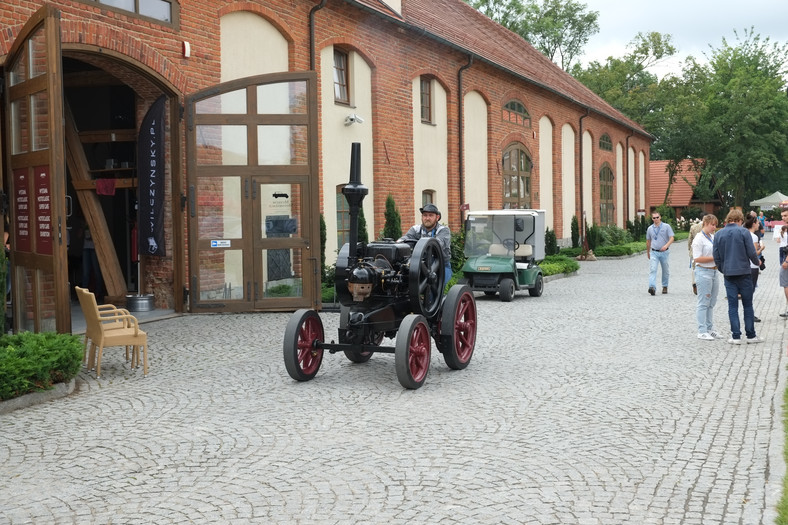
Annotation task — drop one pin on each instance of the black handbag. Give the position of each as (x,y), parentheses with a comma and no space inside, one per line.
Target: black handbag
(763,263)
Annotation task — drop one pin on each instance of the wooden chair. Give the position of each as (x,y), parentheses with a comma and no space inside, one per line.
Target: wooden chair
(107,325)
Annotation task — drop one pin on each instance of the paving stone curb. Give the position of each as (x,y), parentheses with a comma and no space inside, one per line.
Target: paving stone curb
(35,398)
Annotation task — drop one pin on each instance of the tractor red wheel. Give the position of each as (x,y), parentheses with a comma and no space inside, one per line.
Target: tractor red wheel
(412,351)
(301,354)
(458,327)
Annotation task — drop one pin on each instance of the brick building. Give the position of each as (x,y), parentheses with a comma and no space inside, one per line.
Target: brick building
(263,100)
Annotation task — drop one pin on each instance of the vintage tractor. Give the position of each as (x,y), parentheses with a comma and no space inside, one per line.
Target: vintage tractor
(386,289)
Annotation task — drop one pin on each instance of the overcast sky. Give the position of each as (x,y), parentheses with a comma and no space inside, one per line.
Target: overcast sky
(694,24)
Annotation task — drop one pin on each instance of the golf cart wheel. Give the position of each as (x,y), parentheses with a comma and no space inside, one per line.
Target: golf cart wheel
(357,356)
(538,288)
(506,289)
(426,278)
(412,351)
(302,356)
(458,327)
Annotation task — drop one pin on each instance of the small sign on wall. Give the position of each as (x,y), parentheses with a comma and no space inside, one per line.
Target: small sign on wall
(221,243)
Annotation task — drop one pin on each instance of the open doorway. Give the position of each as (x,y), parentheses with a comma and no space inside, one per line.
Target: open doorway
(103,110)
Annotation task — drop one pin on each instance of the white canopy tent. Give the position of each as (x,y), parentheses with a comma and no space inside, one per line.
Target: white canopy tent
(770,201)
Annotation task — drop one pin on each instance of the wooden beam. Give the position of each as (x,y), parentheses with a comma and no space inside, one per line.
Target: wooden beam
(91,209)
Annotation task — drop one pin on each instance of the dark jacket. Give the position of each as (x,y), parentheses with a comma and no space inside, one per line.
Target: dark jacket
(733,250)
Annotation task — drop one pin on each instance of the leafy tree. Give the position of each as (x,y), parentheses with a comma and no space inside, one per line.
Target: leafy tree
(392,229)
(363,235)
(626,84)
(559,29)
(508,13)
(746,125)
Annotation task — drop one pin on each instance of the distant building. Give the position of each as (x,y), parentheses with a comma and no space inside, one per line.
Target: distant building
(682,192)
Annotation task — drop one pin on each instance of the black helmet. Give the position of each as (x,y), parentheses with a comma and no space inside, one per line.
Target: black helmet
(430,208)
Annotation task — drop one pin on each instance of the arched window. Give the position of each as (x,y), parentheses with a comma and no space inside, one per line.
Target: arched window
(515,111)
(517,166)
(606,196)
(605,143)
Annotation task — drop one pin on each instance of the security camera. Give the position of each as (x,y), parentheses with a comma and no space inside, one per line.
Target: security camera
(350,119)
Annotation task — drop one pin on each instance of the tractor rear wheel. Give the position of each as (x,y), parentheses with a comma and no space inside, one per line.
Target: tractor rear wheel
(412,351)
(458,327)
(426,278)
(302,356)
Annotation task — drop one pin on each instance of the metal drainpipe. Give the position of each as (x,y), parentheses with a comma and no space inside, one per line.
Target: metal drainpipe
(312,12)
(582,218)
(462,134)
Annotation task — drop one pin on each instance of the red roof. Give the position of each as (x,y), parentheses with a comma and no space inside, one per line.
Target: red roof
(680,191)
(462,27)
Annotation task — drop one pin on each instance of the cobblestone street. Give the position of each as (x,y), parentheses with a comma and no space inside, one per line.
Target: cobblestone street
(593,404)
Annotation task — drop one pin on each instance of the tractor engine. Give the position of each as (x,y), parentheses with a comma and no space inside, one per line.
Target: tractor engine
(380,274)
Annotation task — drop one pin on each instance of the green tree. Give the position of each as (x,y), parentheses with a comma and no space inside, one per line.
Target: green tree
(363,234)
(508,13)
(392,229)
(559,29)
(746,125)
(626,84)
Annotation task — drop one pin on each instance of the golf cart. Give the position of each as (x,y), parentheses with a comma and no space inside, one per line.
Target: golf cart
(502,247)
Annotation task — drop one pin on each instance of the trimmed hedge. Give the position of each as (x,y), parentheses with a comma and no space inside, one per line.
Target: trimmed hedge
(30,362)
(555,264)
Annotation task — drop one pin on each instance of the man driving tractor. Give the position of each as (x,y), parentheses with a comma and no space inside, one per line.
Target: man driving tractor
(430,227)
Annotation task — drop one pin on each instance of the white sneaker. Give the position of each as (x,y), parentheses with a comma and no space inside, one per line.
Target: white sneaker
(754,340)
(706,337)
(734,341)
(716,335)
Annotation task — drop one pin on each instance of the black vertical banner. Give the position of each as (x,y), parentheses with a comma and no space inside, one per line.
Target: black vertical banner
(150,172)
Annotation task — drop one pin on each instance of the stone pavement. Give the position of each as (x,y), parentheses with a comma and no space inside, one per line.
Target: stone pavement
(593,404)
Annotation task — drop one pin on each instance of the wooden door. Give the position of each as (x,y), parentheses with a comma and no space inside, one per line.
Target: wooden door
(253,194)
(35,155)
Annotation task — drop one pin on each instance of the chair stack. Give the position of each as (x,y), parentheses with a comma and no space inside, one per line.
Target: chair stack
(107,325)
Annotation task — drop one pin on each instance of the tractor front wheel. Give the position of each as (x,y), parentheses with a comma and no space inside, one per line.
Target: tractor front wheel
(301,354)
(412,351)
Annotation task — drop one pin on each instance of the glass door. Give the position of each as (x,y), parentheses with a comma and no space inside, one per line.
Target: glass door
(253,200)
(35,155)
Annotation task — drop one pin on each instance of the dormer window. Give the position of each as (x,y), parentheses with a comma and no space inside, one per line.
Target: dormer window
(514,111)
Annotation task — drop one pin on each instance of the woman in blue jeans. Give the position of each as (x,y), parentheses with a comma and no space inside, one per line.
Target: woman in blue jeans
(706,278)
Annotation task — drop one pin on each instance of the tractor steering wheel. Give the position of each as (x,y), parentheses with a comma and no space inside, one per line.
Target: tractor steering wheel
(510,244)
